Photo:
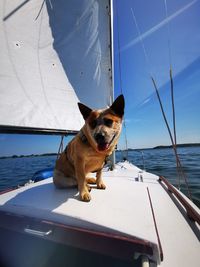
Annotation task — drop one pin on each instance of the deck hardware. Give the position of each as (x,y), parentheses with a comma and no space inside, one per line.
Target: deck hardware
(37,233)
(145,261)
(140,176)
(191,212)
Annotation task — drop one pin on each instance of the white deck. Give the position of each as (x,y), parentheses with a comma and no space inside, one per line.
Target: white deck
(123,207)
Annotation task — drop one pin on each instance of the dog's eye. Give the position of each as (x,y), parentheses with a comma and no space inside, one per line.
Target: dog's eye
(93,124)
(108,122)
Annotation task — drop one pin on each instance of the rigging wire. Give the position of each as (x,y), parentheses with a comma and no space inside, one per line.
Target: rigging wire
(60,150)
(142,43)
(173,139)
(172,89)
(168,34)
(180,170)
(120,78)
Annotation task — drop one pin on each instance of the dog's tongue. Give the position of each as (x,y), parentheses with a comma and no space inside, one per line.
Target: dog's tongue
(103,146)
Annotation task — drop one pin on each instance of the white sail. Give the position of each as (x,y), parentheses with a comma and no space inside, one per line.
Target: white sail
(42,62)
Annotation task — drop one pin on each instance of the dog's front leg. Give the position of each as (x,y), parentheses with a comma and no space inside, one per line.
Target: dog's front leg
(82,182)
(99,181)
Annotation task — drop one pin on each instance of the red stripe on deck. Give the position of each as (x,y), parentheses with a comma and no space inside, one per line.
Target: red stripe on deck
(155,224)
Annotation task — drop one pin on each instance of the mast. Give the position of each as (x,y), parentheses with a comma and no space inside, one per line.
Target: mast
(112,157)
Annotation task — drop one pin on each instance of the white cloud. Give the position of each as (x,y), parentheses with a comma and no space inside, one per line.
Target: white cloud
(145,101)
(158,26)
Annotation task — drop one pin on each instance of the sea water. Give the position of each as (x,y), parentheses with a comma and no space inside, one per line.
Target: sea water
(162,162)
(17,171)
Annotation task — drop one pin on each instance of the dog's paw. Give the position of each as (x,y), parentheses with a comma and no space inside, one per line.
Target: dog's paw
(101,185)
(85,197)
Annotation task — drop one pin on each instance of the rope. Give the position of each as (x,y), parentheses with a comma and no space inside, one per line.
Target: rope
(174,126)
(172,90)
(50,3)
(171,138)
(173,105)
(40,10)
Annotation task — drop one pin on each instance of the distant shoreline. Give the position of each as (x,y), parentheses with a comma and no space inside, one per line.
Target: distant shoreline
(162,146)
(28,156)
(130,149)
(178,145)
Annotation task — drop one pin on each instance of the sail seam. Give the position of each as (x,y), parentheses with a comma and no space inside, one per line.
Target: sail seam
(40,71)
(10,57)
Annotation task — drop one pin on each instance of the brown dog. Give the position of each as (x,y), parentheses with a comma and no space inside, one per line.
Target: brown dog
(88,150)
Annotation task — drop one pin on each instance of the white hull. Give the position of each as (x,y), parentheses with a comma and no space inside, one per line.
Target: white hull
(135,209)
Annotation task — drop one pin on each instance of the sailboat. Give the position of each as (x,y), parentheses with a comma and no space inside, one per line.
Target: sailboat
(54,54)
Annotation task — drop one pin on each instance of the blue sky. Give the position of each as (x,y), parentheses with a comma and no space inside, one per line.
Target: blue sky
(178,34)
(174,39)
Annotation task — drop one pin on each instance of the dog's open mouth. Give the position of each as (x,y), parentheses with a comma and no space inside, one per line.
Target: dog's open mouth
(103,145)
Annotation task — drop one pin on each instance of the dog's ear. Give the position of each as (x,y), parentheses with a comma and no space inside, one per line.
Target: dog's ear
(118,106)
(85,111)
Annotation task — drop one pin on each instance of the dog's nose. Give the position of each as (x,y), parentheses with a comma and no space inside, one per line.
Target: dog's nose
(100,137)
